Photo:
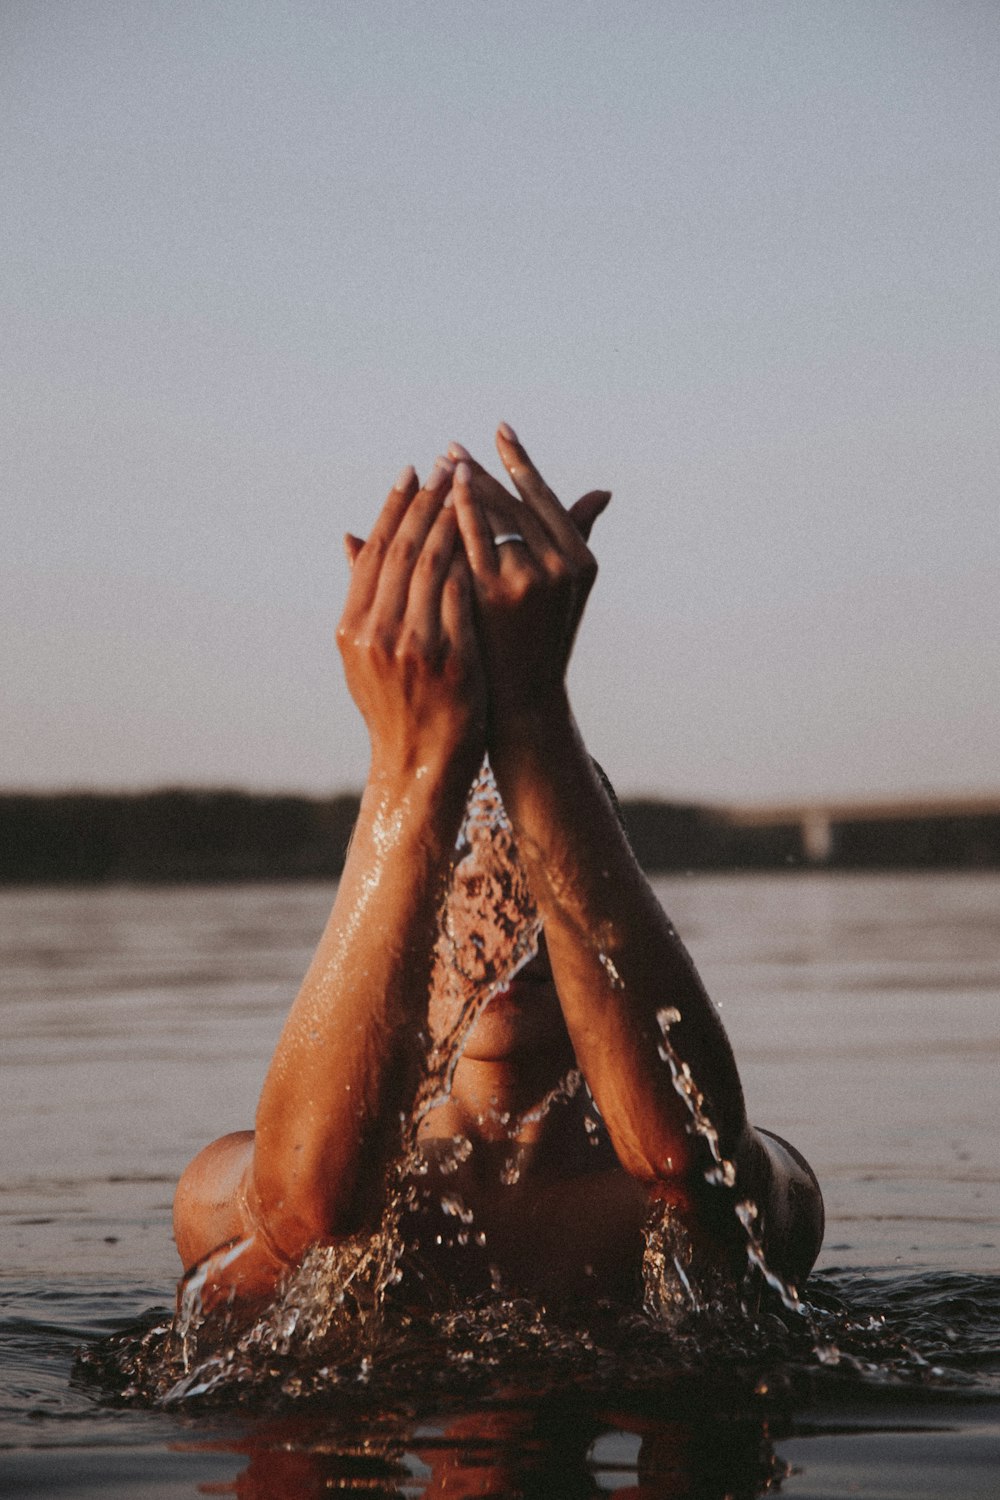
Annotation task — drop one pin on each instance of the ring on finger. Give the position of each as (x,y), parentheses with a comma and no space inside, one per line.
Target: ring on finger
(508,536)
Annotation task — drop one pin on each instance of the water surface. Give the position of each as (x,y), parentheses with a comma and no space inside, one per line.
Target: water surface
(863,1011)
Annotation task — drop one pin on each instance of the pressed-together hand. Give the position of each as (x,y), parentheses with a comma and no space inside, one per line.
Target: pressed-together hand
(407,637)
(532,585)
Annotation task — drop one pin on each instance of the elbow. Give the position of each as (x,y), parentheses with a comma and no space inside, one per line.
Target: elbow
(293,1212)
(658,1162)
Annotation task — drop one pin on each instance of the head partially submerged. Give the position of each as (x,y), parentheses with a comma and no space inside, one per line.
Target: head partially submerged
(488,926)
(492,988)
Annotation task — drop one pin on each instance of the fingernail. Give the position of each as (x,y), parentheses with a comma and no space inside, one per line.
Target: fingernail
(455,450)
(441,471)
(507,432)
(463,474)
(406,478)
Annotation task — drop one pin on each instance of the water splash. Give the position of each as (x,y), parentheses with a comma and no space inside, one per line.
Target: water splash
(610,968)
(346,1316)
(912,1334)
(722,1172)
(458,1151)
(488,929)
(453,1204)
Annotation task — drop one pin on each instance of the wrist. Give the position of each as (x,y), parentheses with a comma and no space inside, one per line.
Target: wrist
(434,783)
(520,729)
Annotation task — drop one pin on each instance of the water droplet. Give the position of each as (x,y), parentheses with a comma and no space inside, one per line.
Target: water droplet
(611,970)
(452,1204)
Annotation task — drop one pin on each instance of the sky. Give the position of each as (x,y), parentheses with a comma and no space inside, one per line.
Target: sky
(736,262)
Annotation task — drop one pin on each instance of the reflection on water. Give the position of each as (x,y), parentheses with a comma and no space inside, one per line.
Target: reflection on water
(555,1447)
(863,1013)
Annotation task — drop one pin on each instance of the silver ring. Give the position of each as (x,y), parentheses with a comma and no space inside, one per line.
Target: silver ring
(507,536)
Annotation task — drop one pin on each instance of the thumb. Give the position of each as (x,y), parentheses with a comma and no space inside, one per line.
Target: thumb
(585,511)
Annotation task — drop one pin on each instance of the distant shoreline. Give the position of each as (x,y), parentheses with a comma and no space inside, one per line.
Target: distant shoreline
(191,836)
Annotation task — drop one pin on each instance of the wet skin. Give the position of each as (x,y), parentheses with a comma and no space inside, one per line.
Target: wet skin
(540,1161)
(452,646)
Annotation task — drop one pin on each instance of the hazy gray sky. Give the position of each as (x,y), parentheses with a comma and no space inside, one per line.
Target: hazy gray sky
(738,262)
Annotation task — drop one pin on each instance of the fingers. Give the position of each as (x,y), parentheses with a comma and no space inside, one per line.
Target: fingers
(457,628)
(403,551)
(366,565)
(477,535)
(536,494)
(423,622)
(503,510)
(505,513)
(485,511)
(383,567)
(585,511)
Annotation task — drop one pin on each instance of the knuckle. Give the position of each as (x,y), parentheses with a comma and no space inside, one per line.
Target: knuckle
(576,572)
(380,643)
(431,559)
(347,634)
(374,548)
(403,550)
(409,646)
(522,587)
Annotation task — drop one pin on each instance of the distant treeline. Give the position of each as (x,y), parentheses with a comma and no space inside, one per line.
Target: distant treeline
(182,835)
(172,836)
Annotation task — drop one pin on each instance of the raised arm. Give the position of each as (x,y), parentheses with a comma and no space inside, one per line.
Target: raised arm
(348,1057)
(648,1039)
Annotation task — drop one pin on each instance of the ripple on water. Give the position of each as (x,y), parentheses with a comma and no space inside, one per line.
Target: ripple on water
(868,1336)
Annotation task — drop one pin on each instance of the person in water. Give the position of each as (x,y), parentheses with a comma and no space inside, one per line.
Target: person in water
(461,612)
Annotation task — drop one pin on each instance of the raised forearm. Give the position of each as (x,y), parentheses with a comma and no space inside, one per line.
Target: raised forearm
(349,1055)
(620,968)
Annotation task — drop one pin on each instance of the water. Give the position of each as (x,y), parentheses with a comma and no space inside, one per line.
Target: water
(138,1025)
